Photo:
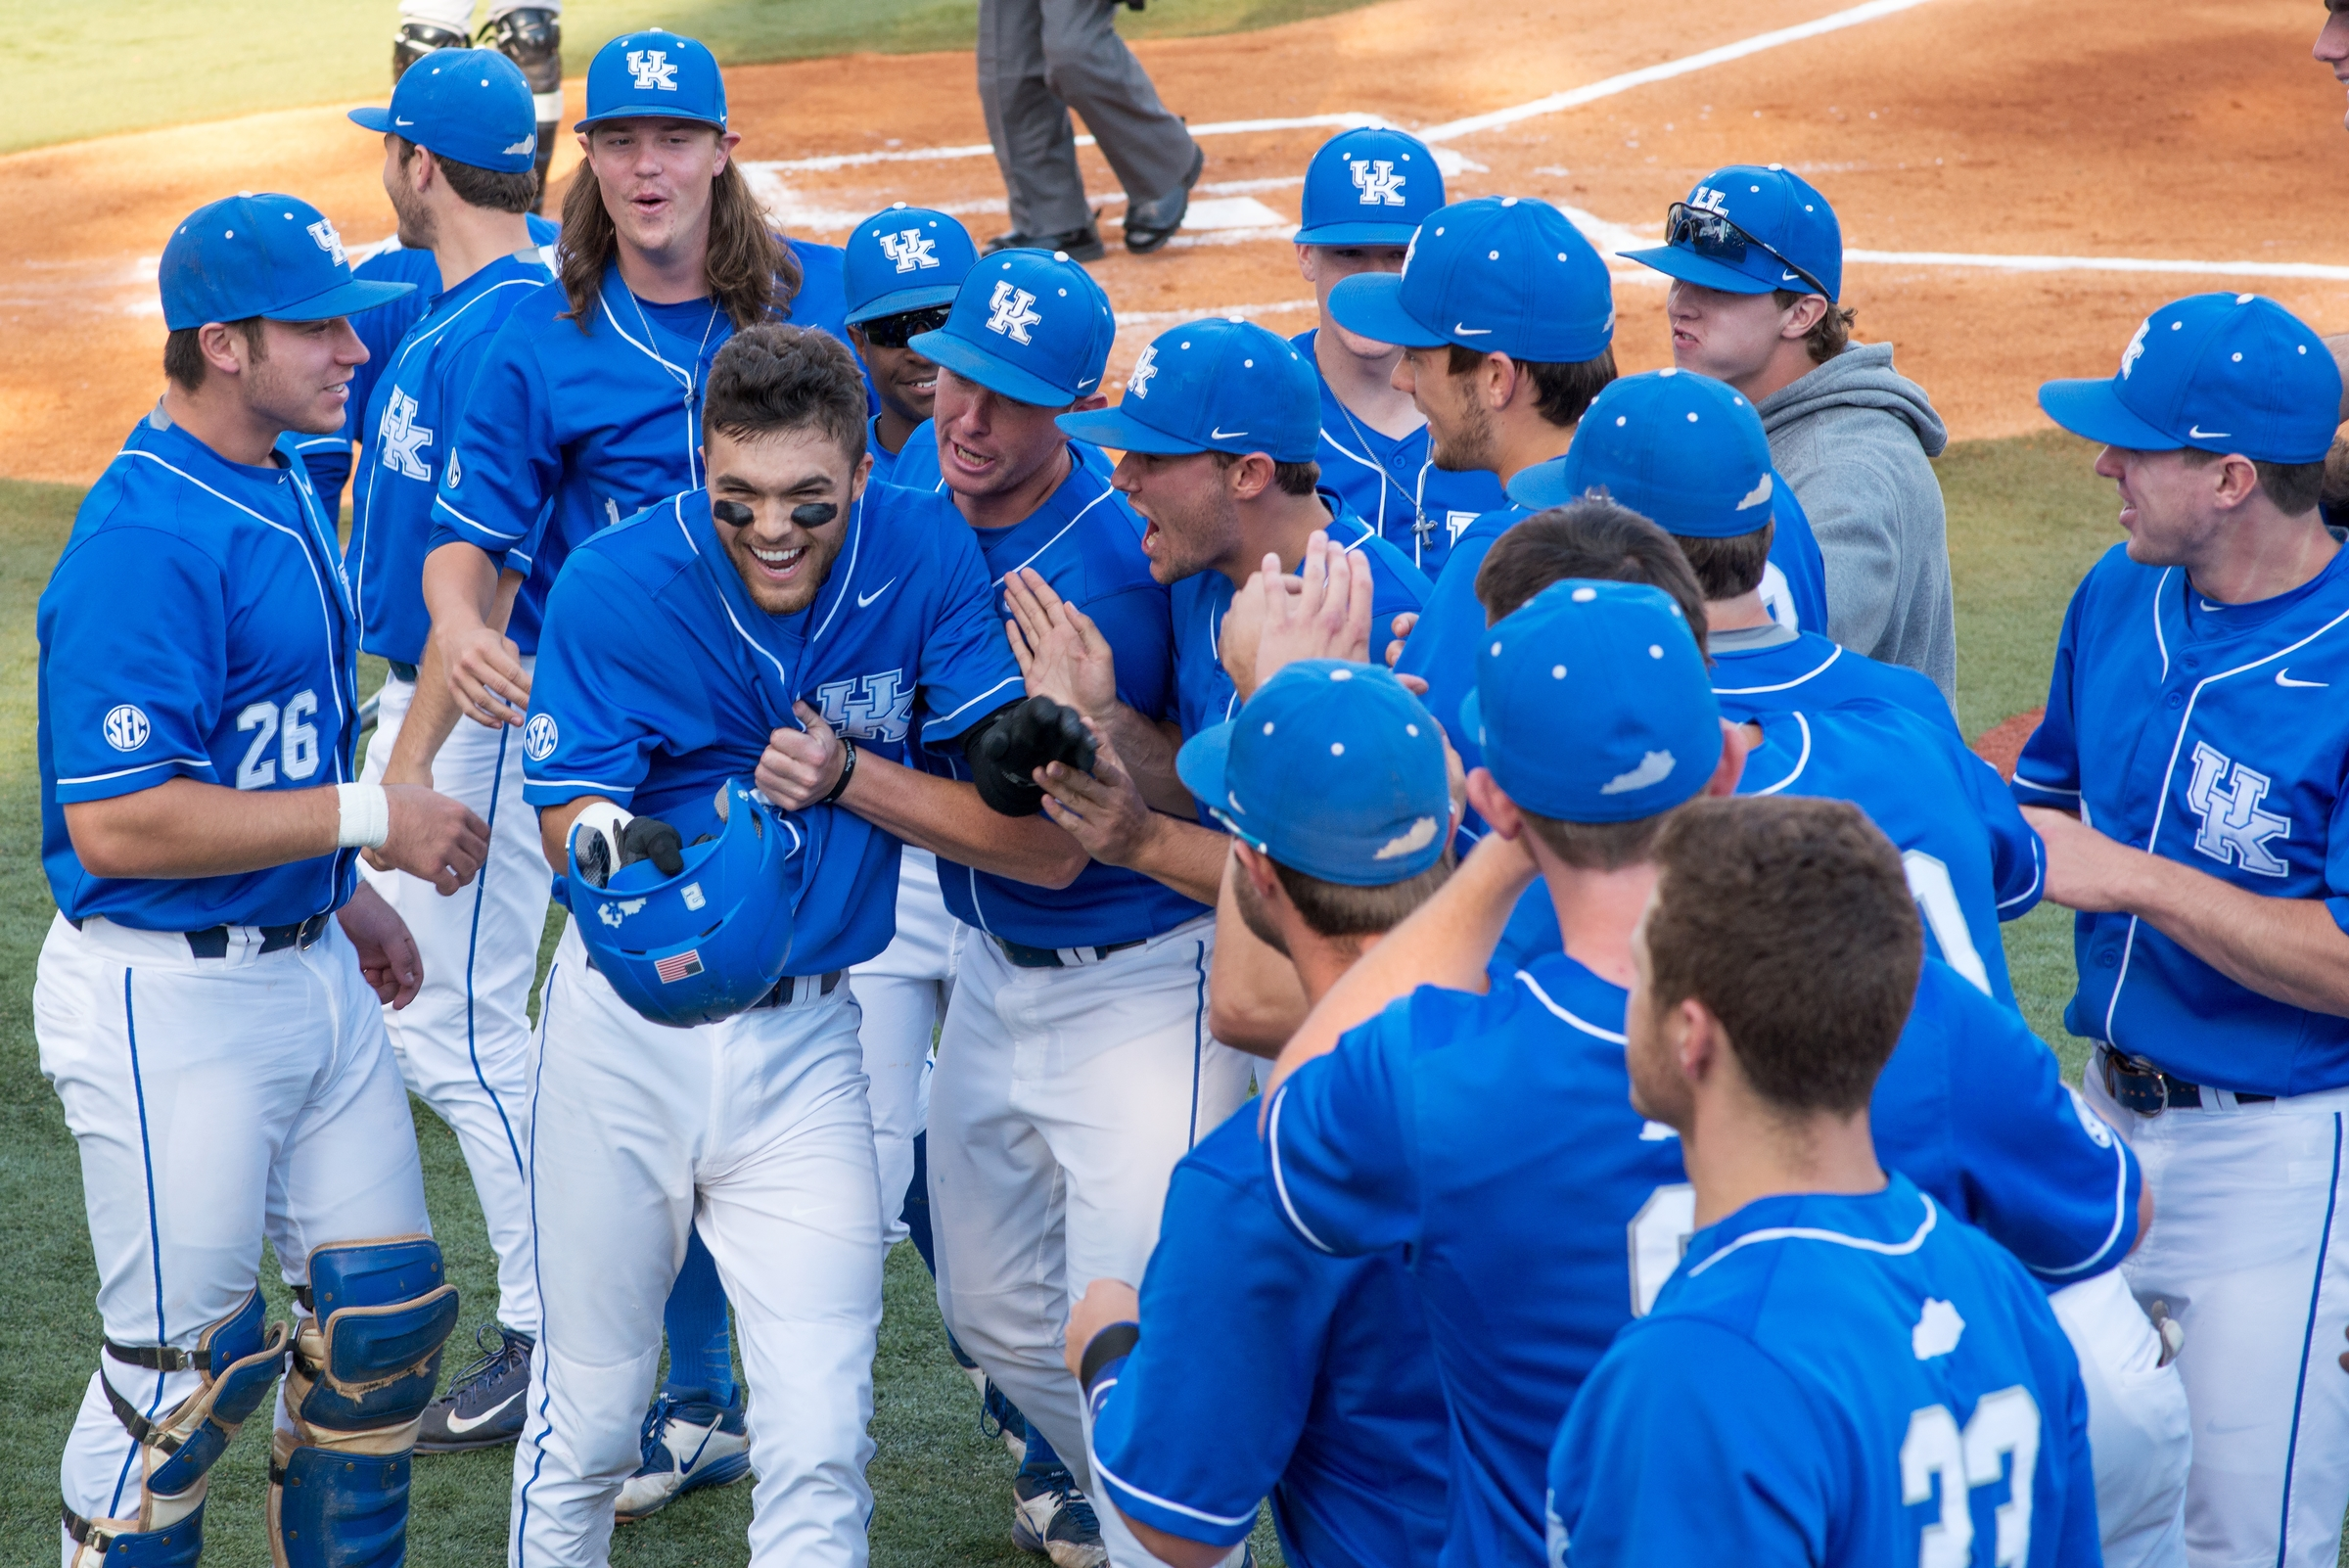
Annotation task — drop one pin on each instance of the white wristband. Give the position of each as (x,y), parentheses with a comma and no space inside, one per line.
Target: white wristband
(366,815)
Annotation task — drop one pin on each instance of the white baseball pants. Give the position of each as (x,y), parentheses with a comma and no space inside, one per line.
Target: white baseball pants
(755,1131)
(463,1042)
(216,1101)
(2250,1249)
(902,994)
(1061,1101)
(2138,1427)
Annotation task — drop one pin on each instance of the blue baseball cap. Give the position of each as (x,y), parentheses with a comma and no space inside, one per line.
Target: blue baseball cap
(1369,187)
(1682,450)
(1216,386)
(1030,325)
(1499,272)
(468,106)
(1592,704)
(268,255)
(655,74)
(2218,372)
(904,259)
(1750,230)
(1332,770)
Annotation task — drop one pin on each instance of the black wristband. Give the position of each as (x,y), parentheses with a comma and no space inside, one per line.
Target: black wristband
(848,771)
(1112,1343)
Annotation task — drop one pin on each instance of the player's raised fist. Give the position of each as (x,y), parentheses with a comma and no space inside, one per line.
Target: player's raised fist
(801,766)
(434,837)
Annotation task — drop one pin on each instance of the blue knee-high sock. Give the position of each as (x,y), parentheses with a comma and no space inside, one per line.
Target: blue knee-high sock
(695,1318)
(916,1211)
(1041,1457)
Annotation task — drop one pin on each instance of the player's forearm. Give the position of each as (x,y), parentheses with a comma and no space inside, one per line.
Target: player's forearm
(1255,1000)
(432,714)
(1446,941)
(183,828)
(461,588)
(1148,753)
(554,829)
(1182,855)
(2289,948)
(948,818)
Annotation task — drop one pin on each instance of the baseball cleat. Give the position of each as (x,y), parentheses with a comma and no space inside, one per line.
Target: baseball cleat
(484,1403)
(998,1417)
(1077,245)
(1051,1518)
(688,1444)
(1149,225)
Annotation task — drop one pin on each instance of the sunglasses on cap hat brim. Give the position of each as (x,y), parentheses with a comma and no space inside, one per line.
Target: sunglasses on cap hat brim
(1714,237)
(896,332)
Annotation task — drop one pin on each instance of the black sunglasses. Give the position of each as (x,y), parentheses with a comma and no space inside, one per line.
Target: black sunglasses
(895,332)
(1714,237)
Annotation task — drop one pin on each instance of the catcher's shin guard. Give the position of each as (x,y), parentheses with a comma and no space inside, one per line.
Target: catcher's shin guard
(531,36)
(417,39)
(238,1359)
(364,1367)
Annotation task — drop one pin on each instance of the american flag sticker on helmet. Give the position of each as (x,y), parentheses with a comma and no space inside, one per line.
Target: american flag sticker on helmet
(679,966)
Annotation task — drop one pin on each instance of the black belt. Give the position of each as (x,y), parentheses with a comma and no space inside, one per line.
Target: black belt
(213,942)
(788,987)
(1024,956)
(400,669)
(2138,1085)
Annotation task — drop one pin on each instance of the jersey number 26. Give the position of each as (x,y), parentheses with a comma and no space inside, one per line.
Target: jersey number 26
(291,728)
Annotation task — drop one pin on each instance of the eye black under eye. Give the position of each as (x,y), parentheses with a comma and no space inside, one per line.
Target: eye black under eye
(731,513)
(814,514)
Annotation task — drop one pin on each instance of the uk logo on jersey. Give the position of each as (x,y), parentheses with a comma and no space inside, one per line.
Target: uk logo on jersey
(1012,312)
(1378,182)
(126,728)
(1138,384)
(401,437)
(909,249)
(538,737)
(875,707)
(329,241)
(653,71)
(2225,794)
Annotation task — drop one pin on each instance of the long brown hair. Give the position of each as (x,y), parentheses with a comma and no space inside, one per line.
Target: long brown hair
(750,271)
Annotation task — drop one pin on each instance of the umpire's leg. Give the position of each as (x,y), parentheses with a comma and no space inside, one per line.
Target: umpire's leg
(1035,146)
(1089,68)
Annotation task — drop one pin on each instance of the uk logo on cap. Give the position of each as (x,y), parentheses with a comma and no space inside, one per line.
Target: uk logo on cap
(1030,325)
(904,259)
(651,70)
(1369,187)
(655,74)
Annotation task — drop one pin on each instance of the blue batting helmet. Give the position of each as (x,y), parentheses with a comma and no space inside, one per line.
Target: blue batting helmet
(706,942)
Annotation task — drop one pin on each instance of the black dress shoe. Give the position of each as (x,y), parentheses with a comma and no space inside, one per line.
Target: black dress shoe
(1080,245)
(1149,225)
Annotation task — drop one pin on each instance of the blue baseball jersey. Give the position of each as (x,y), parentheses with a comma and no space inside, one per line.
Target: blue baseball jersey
(1776,670)
(573,426)
(658,678)
(198,625)
(885,461)
(1087,544)
(1269,1367)
(916,466)
(1972,860)
(1201,601)
(422,389)
(1972,1106)
(1832,1381)
(2214,736)
(328,457)
(1393,484)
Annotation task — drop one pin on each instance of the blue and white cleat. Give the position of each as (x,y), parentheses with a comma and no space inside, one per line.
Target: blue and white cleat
(483,1405)
(689,1443)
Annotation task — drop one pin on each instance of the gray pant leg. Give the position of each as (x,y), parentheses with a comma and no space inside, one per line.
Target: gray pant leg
(1035,146)
(1089,68)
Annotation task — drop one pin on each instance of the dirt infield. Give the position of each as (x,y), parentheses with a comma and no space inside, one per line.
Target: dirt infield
(2089,132)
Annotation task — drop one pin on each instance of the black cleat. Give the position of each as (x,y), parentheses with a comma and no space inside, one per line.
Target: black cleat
(1149,225)
(1078,245)
(485,1401)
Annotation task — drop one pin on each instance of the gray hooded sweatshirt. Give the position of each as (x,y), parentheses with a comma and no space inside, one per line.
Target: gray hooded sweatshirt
(1854,437)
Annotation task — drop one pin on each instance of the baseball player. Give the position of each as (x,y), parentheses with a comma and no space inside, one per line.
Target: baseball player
(1365,193)
(586,411)
(1251,1364)
(462,1041)
(900,271)
(699,644)
(1075,1066)
(2189,781)
(205,1001)
(1755,259)
(531,36)
(1394,1138)
(1834,1348)
(1687,454)
(1039,59)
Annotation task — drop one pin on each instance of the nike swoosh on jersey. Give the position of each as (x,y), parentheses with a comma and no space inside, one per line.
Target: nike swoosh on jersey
(1224,435)
(1461,329)
(2283,677)
(864,599)
(459,1425)
(2201,434)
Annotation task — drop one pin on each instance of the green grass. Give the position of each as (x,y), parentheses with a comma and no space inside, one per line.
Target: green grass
(2025,516)
(106,65)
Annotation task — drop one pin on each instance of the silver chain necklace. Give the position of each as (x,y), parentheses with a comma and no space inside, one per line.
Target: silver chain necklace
(691,378)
